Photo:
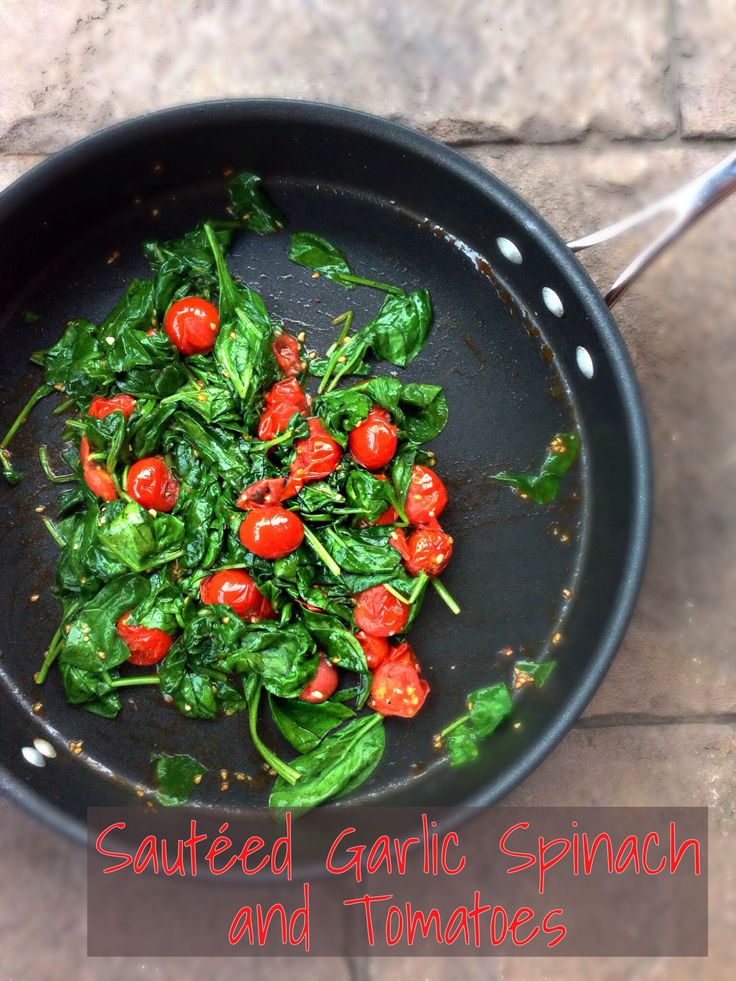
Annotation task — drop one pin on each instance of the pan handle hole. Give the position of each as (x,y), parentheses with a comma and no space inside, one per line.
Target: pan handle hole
(509,251)
(585,362)
(552,301)
(31,755)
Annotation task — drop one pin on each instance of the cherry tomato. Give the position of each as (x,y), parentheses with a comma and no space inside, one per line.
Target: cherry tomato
(283,400)
(373,442)
(426,550)
(152,484)
(288,355)
(316,457)
(236,589)
(96,477)
(374,648)
(192,324)
(272,532)
(262,494)
(100,406)
(323,684)
(397,688)
(379,613)
(426,498)
(148,645)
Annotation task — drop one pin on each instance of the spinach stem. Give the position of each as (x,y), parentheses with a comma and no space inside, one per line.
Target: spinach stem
(9,472)
(54,532)
(362,281)
(282,438)
(55,478)
(396,593)
(285,771)
(57,642)
(41,392)
(445,596)
(322,552)
(453,725)
(419,587)
(144,679)
(62,407)
(335,349)
(353,388)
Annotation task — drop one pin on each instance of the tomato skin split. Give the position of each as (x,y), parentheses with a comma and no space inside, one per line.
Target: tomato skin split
(379,613)
(98,480)
(397,688)
(151,483)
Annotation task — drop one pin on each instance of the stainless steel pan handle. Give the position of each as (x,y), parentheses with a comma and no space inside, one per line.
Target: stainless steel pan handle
(686,205)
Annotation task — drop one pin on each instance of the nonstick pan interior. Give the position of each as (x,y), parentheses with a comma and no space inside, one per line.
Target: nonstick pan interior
(405,210)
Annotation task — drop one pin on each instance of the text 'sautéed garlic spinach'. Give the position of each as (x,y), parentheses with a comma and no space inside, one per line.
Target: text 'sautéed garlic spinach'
(236,540)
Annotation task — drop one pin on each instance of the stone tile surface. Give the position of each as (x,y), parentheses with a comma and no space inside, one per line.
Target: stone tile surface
(464,70)
(706,69)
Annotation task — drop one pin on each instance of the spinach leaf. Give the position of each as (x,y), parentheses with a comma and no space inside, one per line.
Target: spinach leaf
(305,725)
(341,411)
(177,777)
(367,495)
(139,539)
(90,689)
(285,658)
(315,252)
(538,672)
(341,762)
(487,709)
(243,345)
(249,205)
(216,447)
(366,551)
(340,647)
(77,362)
(543,488)
(92,642)
(121,333)
(424,412)
(183,267)
(191,689)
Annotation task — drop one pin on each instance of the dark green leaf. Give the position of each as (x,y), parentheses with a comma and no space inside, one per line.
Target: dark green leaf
(284,657)
(78,362)
(92,642)
(250,205)
(543,488)
(305,725)
(139,539)
(176,777)
(315,252)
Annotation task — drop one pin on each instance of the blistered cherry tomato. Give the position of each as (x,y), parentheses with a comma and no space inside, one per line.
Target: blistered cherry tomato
(192,324)
(262,494)
(271,533)
(397,688)
(426,550)
(148,645)
(152,484)
(283,400)
(373,442)
(315,458)
(379,613)
(426,497)
(100,406)
(96,477)
(288,356)
(323,684)
(374,648)
(236,589)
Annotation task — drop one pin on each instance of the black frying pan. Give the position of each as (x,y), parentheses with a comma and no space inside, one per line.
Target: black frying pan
(514,344)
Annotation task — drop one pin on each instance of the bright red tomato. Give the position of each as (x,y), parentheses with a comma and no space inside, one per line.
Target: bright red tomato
(96,477)
(426,550)
(236,589)
(192,324)
(426,498)
(374,648)
(288,355)
(397,688)
(373,442)
(323,684)
(315,458)
(283,400)
(148,645)
(379,613)
(152,484)
(271,532)
(262,494)
(100,406)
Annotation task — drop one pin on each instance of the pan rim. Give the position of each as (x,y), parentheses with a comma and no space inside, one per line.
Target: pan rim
(402,136)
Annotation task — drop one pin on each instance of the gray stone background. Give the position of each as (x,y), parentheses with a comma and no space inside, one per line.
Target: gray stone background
(589,109)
